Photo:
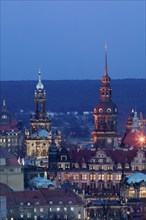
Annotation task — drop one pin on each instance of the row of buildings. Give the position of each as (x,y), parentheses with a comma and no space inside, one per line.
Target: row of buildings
(107,181)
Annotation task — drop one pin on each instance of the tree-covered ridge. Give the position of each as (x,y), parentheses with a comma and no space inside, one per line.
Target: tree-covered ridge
(74,95)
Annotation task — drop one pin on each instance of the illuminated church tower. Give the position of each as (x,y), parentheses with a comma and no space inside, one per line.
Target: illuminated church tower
(105,114)
(39,137)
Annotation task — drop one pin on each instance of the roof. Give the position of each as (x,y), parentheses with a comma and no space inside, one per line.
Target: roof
(132,138)
(121,156)
(81,156)
(41,182)
(41,133)
(43,196)
(9,127)
(66,196)
(136,178)
(11,159)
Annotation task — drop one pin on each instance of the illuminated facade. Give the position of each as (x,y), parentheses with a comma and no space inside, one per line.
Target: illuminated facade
(39,137)
(11,132)
(105,114)
(94,171)
(10,171)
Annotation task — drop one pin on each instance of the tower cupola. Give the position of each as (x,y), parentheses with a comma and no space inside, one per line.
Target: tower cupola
(39,85)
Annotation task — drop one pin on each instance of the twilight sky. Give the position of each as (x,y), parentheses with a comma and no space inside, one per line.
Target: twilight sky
(66,39)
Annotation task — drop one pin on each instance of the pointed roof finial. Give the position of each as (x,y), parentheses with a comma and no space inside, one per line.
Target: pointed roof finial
(4,102)
(40,75)
(105,64)
(4,108)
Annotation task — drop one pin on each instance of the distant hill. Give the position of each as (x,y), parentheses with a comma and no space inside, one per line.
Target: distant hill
(75,95)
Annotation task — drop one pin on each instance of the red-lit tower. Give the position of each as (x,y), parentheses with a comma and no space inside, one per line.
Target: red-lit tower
(105,114)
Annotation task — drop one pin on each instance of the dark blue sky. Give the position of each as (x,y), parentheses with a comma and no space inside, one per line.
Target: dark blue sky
(66,39)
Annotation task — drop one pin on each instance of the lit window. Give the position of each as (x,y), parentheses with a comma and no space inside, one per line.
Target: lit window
(142,193)
(21,216)
(35,210)
(72,208)
(28,215)
(28,203)
(84,176)
(67,176)
(109,176)
(118,177)
(65,209)
(101,176)
(51,202)
(60,202)
(119,166)
(79,215)
(70,202)
(41,209)
(131,192)
(75,176)
(109,168)
(58,209)
(101,167)
(92,177)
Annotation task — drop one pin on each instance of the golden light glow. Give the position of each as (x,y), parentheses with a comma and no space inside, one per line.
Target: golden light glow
(141,139)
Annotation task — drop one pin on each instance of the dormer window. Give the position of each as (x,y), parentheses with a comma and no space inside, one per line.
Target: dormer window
(84,166)
(127,166)
(119,166)
(63,158)
(76,165)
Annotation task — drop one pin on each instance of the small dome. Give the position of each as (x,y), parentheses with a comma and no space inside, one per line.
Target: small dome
(41,133)
(136,178)
(39,85)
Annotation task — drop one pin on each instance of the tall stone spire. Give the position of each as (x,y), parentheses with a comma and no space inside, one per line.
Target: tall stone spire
(105,113)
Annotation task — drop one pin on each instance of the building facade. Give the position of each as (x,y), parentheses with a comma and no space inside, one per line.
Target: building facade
(11,132)
(10,171)
(43,204)
(95,171)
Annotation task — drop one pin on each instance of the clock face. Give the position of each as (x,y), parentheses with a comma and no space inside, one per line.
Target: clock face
(109,110)
(100,110)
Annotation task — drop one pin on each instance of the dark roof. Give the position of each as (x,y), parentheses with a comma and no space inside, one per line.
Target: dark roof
(118,156)
(121,156)
(132,138)
(11,159)
(43,196)
(81,156)
(10,127)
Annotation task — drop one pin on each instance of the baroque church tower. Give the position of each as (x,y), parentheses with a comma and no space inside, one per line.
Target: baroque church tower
(105,114)
(39,137)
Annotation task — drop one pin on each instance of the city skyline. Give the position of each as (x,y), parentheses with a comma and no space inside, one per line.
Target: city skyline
(66,39)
